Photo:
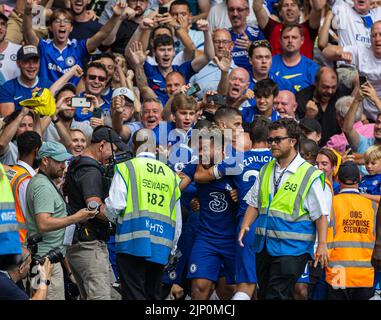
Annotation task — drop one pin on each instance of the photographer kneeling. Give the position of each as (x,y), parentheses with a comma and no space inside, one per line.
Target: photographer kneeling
(46,211)
(9,290)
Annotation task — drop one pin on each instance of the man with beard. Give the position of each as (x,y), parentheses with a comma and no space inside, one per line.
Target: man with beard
(291,65)
(19,175)
(289,12)
(8,52)
(46,210)
(84,24)
(66,116)
(318,101)
(18,89)
(60,53)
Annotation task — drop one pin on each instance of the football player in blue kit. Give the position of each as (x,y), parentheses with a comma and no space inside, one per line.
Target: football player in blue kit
(214,245)
(243,177)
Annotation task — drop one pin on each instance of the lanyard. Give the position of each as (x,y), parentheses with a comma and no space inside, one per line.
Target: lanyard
(277,181)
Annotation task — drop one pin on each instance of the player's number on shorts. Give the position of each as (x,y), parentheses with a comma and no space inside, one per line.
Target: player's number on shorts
(154,199)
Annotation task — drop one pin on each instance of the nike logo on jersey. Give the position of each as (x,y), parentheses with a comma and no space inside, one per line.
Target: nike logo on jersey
(18,98)
(157,81)
(291,76)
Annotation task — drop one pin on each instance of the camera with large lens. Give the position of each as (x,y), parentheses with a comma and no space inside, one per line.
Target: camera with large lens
(53,255)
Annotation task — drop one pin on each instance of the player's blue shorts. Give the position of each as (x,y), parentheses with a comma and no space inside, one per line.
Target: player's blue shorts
(207,257)
(305,277)
(245,257)
(178,274)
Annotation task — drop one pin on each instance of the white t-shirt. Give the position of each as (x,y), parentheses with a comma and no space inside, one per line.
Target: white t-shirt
(370,66)
(350,26)
(8,66)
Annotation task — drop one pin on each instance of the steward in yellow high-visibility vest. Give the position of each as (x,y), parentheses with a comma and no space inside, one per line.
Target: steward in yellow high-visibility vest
(144,202)
(350,240)
(9,236)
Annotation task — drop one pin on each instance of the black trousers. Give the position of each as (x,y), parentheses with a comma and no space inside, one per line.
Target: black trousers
(350,293)
(277,276)
(140,279)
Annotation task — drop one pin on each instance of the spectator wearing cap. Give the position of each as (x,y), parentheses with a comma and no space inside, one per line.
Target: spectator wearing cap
(65,116)
(86,183)
(350,240)
(8,51)
(18,89)
(338,141)
(311,128)
(318,101)
(46,210)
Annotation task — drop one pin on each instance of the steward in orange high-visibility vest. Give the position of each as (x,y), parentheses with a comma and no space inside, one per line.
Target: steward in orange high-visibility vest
(350,240)
(16,175)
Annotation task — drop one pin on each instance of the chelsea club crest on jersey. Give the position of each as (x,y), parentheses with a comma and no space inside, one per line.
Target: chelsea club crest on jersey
(70,61)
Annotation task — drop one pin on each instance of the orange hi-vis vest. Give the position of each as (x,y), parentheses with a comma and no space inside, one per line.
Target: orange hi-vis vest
(16,175)
(350,240)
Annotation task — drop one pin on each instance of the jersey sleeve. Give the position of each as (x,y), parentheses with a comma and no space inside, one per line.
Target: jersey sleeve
(190,170)
(6,93)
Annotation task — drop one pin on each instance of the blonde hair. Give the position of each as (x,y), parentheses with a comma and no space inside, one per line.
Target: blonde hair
(373,153)
(181,101)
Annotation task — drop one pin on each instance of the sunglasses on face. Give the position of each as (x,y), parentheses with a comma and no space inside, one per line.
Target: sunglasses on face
(100,78)
(277,140)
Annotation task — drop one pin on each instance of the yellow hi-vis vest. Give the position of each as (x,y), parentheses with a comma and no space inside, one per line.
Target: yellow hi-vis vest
(350,240)
(283,225)
(146,228)
(9,236)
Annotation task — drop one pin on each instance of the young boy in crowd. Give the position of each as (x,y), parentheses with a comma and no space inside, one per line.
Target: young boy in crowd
(370,185)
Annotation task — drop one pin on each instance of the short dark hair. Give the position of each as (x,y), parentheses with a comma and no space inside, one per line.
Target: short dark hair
(163,40)
(291,126)
(259,130)
(12,117)
(160,26)
(290,26)
(226,112)
(96,65)
(266,88)
(297,2)
(259,44)
(309,145)
(27,142)
(99,56)
(180,3)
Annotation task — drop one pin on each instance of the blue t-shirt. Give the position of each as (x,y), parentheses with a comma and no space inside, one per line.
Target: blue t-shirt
(371,184)
(300,76)
(249,113)
(9,290)
(244,169)
(217,209)
(14,91)
(156,80)
(81,114)
(54,63)
(282,83)
(241,56)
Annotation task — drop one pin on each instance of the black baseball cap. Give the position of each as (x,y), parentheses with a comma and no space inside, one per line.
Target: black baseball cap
(349,173)
(3,17)
(66,86)
(310,125)
(27,52)
(105,133)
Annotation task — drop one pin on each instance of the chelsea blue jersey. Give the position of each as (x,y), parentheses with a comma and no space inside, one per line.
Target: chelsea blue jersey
(371,184)
(241,56)
(244,172)
(300,76)
(217,209)
(54,62)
